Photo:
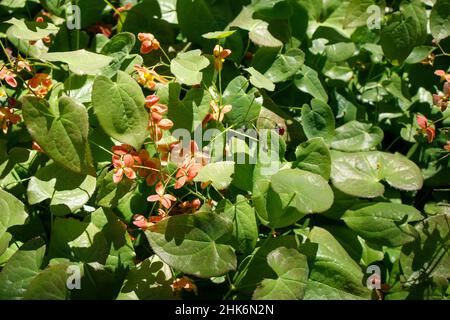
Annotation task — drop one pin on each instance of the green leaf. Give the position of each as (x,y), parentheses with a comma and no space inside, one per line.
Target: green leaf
(21,269)
(357,14)
(428,255)
(294,193)
(363,252)
(108,192)
(246,105)
(12,213)
(30,31)
(359,174)
(307,80)
(314,156)
(339,73)
(340,51)
(356,136)
(50,284)
(189,112)
(419,54)
(218,173)
(415,10)
(80,239)
(121,254)
(440,20)
(186,67)
(119,107)
(194,244)
(331,259)
(259,80)
(245,229)
(383,223)
(121,42)
(318,120)
(218,34)
(399,37)
(255,268)
(258,29)
(80,61)
(272,9)
(67,190)
(157,276)
(285,65)
(291,268)
(61,131)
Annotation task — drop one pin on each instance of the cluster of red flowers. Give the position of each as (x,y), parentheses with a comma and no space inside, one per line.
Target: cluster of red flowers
(441,100)
(40,84)
(157,124)
(149,42)
(189,159)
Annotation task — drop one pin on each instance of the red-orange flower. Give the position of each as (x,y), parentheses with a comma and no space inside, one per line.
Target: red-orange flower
(41,84)
(217,112)
(148,78)
(8,117)
(124,161)
(123,165)
(187,172)
(164,199)
(422,121)
(184,284)
(444,76)
(150,167)
(220,54)
(149,42)
(8,76)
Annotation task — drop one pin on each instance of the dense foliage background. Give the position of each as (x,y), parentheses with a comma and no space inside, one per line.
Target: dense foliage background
(99,200)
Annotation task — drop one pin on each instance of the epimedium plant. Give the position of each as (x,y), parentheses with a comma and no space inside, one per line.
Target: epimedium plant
(250,149)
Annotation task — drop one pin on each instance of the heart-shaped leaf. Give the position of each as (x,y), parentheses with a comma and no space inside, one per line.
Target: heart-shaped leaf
(30,31)
(246,105)
(359,174)
(61,131)
(292,194)
(383,223)
(218,173)
(49,284)
(21,269)
(291,268)
(307,80)
(285,65)
(12,213)
(187,66)
(356,136)
(119,107)
(314,156)
(80,61)
(318,120)
(331,258)
(245,228)
(259,80)
(194,244)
